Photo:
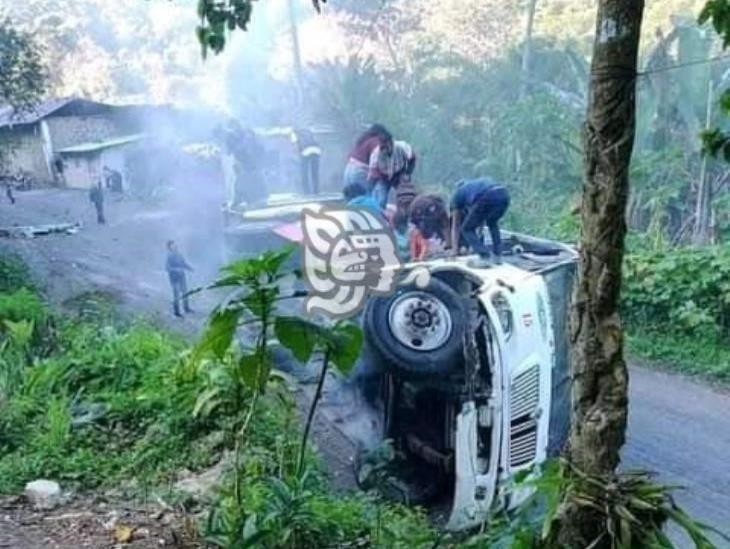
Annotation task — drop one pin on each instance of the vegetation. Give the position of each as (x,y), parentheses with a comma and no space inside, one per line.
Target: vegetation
(125,407)
(677,304)
(631,511)
(21,66)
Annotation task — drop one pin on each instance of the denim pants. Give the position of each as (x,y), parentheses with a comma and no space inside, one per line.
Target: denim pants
(355,173)
(380,192)
(179,293)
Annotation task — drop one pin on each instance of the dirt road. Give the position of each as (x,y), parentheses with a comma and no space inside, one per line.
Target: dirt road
(678,428)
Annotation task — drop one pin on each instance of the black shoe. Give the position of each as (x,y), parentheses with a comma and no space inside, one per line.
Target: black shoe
(189,311)
(177,314)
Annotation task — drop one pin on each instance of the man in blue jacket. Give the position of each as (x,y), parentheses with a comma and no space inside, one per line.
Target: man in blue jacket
(476,203)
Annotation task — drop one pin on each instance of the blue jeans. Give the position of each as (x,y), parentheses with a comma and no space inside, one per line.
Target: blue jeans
(355,173)
(380,192)
(487,209)
(179,293)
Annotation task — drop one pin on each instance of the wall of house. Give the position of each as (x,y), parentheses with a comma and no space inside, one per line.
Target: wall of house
(22,151)
(81,171)
(67,131)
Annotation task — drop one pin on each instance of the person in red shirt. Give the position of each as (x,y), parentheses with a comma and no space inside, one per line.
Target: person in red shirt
(430,226)
(358,163)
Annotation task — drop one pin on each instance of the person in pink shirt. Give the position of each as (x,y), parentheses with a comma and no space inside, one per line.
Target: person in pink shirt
(358,163)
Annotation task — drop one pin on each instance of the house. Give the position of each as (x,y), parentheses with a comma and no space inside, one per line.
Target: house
(68,141)
(81,166)
(32,139)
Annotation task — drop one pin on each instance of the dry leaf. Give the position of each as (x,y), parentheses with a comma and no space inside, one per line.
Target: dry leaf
(123,534)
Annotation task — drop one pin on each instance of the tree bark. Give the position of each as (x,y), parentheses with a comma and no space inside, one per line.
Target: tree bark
(527,49)
(600,376)
(702,234)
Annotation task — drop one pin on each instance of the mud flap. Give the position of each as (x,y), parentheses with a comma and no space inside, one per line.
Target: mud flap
(473,491)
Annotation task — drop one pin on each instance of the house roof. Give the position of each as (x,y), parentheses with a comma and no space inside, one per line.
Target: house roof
(94,146)
(10,117)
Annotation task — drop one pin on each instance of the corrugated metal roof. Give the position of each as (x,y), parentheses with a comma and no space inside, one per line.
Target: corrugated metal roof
(100,145)
(11,117)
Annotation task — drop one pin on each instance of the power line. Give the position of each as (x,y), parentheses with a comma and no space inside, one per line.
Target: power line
(619,71)
(682,65)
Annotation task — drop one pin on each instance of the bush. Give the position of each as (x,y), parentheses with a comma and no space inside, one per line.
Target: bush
(13,274)
(103,406)
(684,291)
(22,304)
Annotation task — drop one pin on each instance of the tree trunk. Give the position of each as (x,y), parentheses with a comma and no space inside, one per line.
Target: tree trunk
(527,48)
(600,377)
(702,234)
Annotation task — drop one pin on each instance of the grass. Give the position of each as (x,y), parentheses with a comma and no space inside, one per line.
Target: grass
(707,356)
(99,404)
(101,407)
(14,273)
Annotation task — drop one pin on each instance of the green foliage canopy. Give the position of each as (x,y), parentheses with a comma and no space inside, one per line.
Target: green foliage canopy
(22,72)
(218,18)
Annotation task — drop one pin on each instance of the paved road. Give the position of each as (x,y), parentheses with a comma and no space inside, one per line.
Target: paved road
(677,428)
(681,429)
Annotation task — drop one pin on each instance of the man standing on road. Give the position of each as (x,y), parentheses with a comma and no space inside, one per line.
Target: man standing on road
(96,196)
(9,192)
(476,203)
(176,267)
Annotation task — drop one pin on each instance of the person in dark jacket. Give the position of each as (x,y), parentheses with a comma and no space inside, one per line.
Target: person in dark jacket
(309,155)
(245,147)
(113,180)
(96,197)
(176,268)
(476,203)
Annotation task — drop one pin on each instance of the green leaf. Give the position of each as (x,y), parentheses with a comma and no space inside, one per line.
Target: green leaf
(298,335)
(254,370)
(206,402)
(345,344)
(218,334)
(20,332)
(273,261)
